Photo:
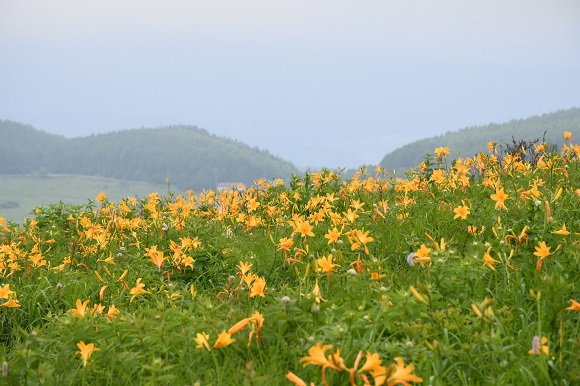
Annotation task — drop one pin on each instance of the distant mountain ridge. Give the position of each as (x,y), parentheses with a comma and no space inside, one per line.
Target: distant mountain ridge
(473,140)
(190,157)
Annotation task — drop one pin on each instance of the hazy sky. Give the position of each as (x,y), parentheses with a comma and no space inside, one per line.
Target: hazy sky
(317,82)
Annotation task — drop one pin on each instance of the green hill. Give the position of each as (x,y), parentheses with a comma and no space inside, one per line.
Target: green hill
(471,141)
(190,157)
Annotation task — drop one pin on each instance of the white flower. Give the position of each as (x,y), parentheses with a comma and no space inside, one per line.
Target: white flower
(411,259)
(536,345)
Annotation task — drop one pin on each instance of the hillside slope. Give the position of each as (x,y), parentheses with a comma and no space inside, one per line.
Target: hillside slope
(188,156)
(471,141)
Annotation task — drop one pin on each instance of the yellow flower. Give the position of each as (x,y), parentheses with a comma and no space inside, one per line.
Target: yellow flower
(562,231)
(418,296)
(6,292)
(351,216)
(472,230)
(376,275)
(567,135)
(244,267)
(285,244)
(360,240)
(461,211)
(575,306)
(172,296)
(295,379)
(258,319)
(156,256)
(138,290)
(542,251)
(325,264)
(422,255)
(101,197)
(303,227)
(400,375)
(438,176)
(113,311)
(333,235)
(202,340)
(372,363)
(12,303)
(379,375)
(337,362)
(224,339)
(258,287)
(86,351)
(541,164)
(316,293)
(441,151)
(252,204)
(488,260)
(316,356)
(499,197)
(249,278)
(97,309)
(81,309)
(535,192)
(239,326)
(423,251)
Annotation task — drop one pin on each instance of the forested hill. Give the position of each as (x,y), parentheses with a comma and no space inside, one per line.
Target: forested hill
(188,156)
(473,140)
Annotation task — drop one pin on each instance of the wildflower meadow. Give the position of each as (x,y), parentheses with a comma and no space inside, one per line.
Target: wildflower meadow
(459,271)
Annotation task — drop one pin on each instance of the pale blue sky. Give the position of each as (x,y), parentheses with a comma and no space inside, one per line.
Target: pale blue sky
(319,83)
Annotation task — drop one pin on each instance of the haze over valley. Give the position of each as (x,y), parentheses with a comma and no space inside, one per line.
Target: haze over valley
(319,84)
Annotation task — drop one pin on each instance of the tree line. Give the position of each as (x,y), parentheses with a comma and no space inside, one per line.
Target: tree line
(188,156)
(471,141)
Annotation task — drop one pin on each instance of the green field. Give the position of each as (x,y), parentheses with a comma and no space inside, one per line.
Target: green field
(20,194)
(463,273)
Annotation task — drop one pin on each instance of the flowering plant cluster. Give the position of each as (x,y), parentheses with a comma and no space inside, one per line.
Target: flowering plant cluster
(458,271)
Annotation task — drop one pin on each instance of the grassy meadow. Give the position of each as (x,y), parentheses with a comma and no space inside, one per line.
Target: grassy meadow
(19,194)
(460,271)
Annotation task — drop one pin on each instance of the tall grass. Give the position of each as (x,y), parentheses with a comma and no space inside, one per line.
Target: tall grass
(434,277)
